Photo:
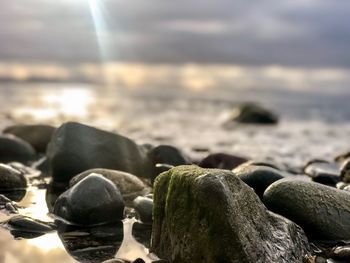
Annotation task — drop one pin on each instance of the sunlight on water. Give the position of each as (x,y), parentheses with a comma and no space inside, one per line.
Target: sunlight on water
(72,102)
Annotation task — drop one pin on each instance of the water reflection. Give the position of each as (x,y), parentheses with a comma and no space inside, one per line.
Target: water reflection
(94,244)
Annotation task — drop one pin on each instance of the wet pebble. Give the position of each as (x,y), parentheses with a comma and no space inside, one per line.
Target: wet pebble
(345,171)
(258,177)
(129,185)
(144,207)
(14,149)
(38,135)
(323,172)
(92,201)
(11,178)
(222,161)
(30,225)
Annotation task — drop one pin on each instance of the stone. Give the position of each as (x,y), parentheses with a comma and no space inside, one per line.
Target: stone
(11,179)
(251,113)
(92,201)
(222,161)
(322,211)
(323,172)
(165,156)
(75,148)
(129,185)
(258,177)
(144,207)
(29,225)
(210,216)
(38,135)
(13,149)
(345,171)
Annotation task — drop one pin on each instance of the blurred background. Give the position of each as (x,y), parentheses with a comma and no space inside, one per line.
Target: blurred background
(170,71)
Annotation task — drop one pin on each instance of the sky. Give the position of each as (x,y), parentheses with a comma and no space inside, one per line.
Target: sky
(306,33)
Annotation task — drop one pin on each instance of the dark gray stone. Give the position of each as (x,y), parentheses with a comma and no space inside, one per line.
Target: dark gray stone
(345,171)
(258,177)
(37,135)
(251,113)
(14,149)
(129,185)
(92,201)
(75,148)
(222,161)
(322,211)
(323,172)
(144,207)
(29,225)
(11,179)
(209,215)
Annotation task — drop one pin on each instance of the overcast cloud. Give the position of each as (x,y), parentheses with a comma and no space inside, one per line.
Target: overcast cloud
(298,33)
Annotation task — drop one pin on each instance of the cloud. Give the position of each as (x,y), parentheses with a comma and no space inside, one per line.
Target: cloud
(252,33)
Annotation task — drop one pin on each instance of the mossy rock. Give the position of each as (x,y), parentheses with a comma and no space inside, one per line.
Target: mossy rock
(210,215)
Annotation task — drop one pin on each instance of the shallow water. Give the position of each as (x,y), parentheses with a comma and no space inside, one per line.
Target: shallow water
(312,126)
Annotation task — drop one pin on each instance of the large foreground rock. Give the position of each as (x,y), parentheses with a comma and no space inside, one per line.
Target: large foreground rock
(37,135)
(322,211)
(208,215)
(94,200)
(75,148)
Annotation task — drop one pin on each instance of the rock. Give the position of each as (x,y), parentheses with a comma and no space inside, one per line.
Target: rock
(322,211)
(129,185)
(222,161)
(341,252)
(258,177)
(252,113)
(29,225)
(323,172)
(27,171)
(342,157)
(144,207)
(209,215)
(345,171)
(37,136)
(92,201)
(75,148)
(13,149)
(164,156)
(11,179)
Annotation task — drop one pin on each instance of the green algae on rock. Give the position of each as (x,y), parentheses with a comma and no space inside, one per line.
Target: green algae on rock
(210,215)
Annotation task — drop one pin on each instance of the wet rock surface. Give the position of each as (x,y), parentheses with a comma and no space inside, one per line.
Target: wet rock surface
(129,185)
(197,213)
(75,148)
(258,177)
(92,201)
(14,149)
(222,161)
(323,212)
(11,179)
(38,136)
(323,172)
(144,207)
